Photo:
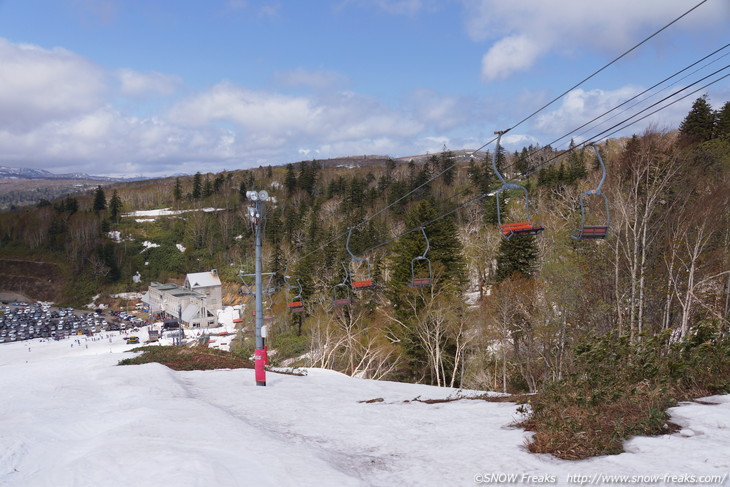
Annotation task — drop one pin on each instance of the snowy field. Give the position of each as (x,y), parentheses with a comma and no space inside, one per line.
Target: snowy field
(70,417)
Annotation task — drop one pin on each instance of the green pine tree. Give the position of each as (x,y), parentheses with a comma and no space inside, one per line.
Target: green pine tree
(99,200)
(197,186)
(447,165)
(445,252)
(290,180)
(699,123)
(115,207)
(177,190)
(207,187)
(722,122)
(516,255)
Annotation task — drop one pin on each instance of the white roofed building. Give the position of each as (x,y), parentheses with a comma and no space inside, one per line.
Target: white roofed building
(195,304)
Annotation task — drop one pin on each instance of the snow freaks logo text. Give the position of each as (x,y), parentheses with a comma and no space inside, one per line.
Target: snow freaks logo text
(599,479)
(514,478)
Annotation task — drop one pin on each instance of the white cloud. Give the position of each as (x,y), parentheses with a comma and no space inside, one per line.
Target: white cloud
(271,116)
(515,142)
(39,85)
(581,106)
(528,29)
(134,83)
(439,111)
(514,53)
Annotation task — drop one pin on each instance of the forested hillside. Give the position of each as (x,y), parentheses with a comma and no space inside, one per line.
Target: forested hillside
(499,314)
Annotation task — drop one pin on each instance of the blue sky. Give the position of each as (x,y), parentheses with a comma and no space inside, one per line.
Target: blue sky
(157,87)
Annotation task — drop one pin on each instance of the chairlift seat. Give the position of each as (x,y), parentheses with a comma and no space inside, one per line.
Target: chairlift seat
(365,284)
(593,231)
(421,282)
(342,302)
(296,306)
(520,228)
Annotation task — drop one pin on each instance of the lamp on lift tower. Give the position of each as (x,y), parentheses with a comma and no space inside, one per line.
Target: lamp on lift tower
(262,195)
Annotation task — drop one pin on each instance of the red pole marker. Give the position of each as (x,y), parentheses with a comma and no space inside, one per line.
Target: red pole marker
(259,362)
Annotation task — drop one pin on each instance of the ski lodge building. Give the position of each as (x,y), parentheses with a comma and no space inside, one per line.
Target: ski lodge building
(194,304)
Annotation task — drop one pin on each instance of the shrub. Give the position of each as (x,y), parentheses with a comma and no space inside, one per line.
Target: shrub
(619,390)
(184,358)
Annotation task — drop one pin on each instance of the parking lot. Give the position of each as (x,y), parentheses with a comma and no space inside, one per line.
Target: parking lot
(22,320)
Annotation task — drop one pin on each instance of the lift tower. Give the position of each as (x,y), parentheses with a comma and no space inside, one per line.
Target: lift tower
(256,213)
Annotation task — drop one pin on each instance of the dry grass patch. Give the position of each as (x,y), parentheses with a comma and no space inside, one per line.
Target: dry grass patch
(184,358)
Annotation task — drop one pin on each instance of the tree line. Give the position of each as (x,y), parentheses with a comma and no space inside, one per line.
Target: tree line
(501,314)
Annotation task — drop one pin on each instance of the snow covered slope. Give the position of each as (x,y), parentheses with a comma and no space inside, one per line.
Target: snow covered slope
(70,417)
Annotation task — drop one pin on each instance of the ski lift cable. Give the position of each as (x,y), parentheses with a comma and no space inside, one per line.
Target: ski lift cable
(525,176)
(653,94)
(366,220)
(483,195)
(571,132)
(607,65)
(668,105)
(665,99)
(546,105)
(646,91)
(429,222)
(623,124)
(491,193)
(606,136)
(342,235)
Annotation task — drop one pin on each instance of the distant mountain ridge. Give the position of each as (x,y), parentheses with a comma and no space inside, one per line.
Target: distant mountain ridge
(26,173)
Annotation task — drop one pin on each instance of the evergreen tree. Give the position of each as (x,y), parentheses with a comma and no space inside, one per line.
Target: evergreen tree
(722,122)
(576,166)
(197,186)
(242,190)
(71,205)
(521,165)
(445,252)
(177,190)
(218,183)
(308,174)
(290,180)
(698,125)
(447,165)
(501,160)
(517,255)
(99,200)
(115,207)
(390,165)
(421,181)
(207,187)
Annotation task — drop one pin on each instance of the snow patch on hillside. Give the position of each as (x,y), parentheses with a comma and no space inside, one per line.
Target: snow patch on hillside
(148,245)
(151,215)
